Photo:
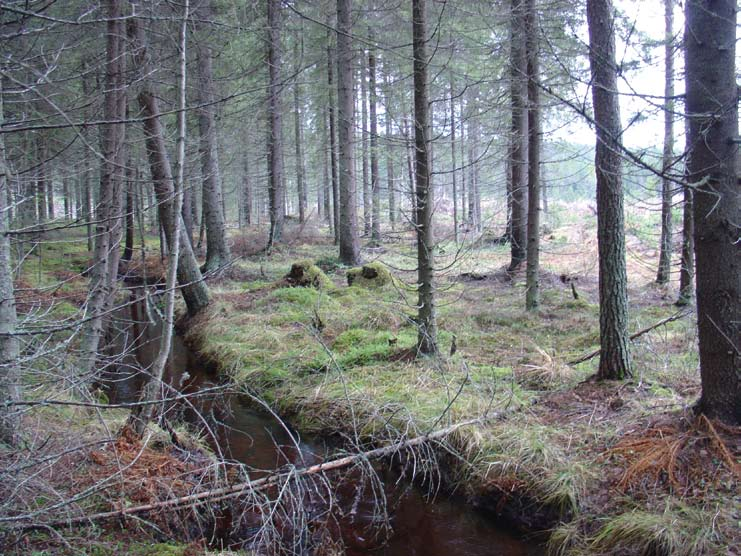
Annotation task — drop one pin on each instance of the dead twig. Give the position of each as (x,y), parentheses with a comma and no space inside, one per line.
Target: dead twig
(676,316)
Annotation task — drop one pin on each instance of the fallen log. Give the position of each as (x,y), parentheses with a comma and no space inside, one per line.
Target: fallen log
(218,494)
(676,316)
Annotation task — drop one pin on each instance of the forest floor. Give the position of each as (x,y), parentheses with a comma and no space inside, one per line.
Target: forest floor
(607,468)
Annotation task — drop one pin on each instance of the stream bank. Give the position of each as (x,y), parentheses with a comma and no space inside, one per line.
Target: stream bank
(364,510)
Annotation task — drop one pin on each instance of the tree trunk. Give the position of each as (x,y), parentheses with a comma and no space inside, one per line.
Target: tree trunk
(217,248)
(333,152)
(66,192)
(349,247)
(687,268)
(247,193)
(275,133)
(518,158)
(410,170)
(390,180)
(104,270)
(194,290)
(128,251)
(153,389)
(333,147)
(375,178)
(615,360)
(711,103)
(299,139)
(367,216)
(665,249)
(532,291)
(328,163)
(9,348)
(426,317)
(453,160)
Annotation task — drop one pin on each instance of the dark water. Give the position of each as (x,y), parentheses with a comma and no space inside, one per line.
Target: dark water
(416,524)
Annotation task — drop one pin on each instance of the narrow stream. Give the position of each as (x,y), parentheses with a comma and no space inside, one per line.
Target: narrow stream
(419,526)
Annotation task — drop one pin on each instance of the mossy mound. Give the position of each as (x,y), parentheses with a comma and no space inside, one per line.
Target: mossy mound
(371,275)
(306,274)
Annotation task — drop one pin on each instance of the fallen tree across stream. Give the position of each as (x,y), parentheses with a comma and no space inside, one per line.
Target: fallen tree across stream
(231,491)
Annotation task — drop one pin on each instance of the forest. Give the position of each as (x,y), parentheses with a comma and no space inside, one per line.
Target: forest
(394,277)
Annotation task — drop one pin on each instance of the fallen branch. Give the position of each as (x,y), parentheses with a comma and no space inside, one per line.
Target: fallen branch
(676,316)
(232,491)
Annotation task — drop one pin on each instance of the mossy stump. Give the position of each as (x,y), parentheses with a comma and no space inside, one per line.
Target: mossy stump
(371,275)
(306,274)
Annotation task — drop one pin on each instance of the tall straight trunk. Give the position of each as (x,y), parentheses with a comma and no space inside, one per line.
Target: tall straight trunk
(66,193)
(518,157)
(247,190)
(390,181)
(79,196)
(89,212)
(375,178)
(104,270)
(665,249)
(532,291)
(275,133)
(327,163)
(129,209)
(333,151)
(41,211)
(410,171)
(217,248)
(194,290)
(299,139)
(367,211)
(615,359)
(349,247)
(426,317)
(687,263)
(453,159)
(712,110)
(464,182)
(9,346)
(50,212)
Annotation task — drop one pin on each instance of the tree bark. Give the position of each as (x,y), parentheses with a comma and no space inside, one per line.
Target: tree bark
(108,227)
(375,178)
(665,242)
(299,139)
(687,262)
(217,248)
(9,348)
(275,133)
(390,180)
(128,251)
(712,110)
(453,160)
(333,153)
(367,214)
(615,359)
(349,247)
(426,316)
(153,388)
(518,158)
(532,291)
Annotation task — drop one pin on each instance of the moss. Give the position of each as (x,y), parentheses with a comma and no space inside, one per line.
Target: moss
(306,274)
(370,275)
